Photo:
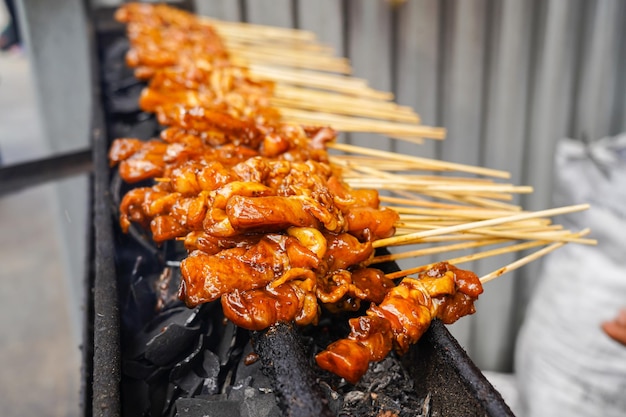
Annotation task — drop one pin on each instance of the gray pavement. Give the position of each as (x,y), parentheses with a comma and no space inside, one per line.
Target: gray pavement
(39,355)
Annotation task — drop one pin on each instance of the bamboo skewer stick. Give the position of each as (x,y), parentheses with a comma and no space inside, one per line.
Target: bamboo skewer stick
(419,202)
(424,162)
(444,248)
(354,124)
(434,250)
(285,77)
(472,257)
(486,202)
(260,30)
(495,252)
(547,235)
(429,223)
(470,201)
(416,237)
(521,262)
(560,236)
(462,213)
(342,109)
(272,50)
(306,94)
(395,183)
(242,58)
(250,42)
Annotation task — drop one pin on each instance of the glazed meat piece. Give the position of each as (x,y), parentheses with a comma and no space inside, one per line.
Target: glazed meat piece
(345,251)
(370,340)
(369,223)
(372,283)
(199,119)
(279,213)
(270,213)
(444,292)
(138,162)
(343,290)
(260,308)
(135,206)
(211,245)
(162,37)
(208,277)
(224,89)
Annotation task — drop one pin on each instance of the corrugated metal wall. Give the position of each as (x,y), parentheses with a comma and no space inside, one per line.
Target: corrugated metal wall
(506,78)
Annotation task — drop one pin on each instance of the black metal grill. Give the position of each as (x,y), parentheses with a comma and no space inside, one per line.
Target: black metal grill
(147,354)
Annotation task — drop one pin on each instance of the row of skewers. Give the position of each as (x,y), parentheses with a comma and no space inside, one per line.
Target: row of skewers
(277,228)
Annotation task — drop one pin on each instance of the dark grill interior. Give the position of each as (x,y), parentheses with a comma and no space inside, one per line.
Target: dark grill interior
(153,356)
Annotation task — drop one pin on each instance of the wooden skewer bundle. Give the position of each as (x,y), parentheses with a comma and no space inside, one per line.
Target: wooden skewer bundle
(293,59)
(464,209)
(444,213)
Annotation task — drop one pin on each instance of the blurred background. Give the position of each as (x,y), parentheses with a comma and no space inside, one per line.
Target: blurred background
(508,79)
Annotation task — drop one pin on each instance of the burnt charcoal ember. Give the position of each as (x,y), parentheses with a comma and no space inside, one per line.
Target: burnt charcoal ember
(170,344)
(385,390)
(210,372)
(232,343)
(162,331)
(120,85)
(260,405)
(188,374)
(241,401)
(254,371)
(254,402)
(198,407)
(170,359)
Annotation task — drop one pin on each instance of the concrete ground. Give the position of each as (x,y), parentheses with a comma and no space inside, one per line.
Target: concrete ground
(39,355)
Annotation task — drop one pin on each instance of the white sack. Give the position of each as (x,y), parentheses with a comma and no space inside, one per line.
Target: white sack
(566,365)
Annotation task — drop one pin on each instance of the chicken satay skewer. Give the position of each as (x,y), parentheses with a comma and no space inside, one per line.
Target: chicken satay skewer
(408,309)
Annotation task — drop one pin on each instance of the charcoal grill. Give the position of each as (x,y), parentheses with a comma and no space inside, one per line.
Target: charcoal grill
(132,332)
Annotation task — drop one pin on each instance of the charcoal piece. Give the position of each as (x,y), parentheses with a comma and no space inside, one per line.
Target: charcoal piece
(241,390)
(227,342)
(195,407)
(160,393)
(190,383)
(136,398)
(138,369)
(170,344)
(253,370)
(232,342)
(187,363)
(175,316)
(172,393)
(260,405)
(363,404)
(183,374)
(254,402)
(285,361)
(210,372)
(120,85)
(138,306)
(189,374)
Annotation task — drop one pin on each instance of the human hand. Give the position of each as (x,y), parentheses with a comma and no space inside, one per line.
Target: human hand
(616,328)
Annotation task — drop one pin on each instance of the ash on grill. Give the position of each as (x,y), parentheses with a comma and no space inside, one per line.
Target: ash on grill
(192,362)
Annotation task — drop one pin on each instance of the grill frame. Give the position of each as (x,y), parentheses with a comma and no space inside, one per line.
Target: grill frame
(437,362)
